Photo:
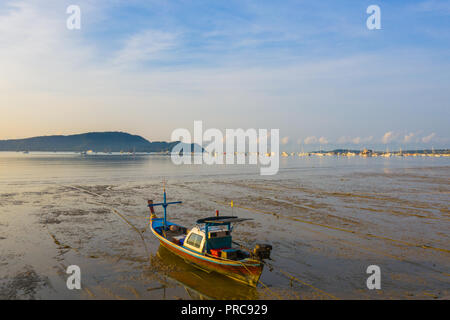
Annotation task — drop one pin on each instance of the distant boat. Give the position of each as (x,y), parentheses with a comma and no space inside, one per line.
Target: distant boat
(208,245)
(303,153)
(26,152)
(366,153)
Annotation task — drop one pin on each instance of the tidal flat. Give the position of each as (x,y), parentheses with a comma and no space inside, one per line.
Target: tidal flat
(327,219)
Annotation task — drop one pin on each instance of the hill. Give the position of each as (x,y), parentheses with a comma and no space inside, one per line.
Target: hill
(95,141)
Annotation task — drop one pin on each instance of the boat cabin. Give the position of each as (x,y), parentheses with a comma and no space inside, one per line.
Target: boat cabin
(218,237)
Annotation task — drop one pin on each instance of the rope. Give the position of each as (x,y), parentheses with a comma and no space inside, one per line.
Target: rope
(117,213)
(266,287)
(289,276)
(423,246)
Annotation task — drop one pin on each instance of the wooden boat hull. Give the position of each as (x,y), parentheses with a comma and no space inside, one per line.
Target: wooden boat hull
(198,283)
(247,271)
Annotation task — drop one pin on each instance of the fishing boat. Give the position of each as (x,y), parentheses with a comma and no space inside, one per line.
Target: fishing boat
(209,246)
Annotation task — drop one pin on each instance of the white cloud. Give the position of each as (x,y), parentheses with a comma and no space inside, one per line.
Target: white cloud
(387,137)
(354,140)
(144,46)
(408,137)
(310,140)
(367,139)
(323,140)
(428,138)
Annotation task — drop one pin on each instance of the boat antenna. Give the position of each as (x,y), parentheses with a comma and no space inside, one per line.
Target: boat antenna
(164,204)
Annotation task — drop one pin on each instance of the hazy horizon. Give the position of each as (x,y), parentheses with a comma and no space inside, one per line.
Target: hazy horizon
(307,149)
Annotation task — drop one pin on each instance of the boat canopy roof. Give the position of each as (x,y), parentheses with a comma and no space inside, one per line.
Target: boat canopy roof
(221,220)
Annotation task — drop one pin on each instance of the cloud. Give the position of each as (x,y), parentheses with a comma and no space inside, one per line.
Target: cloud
(144,46)
(310,140)
(354,140)
(285,140)
(388,137)
(409,137)
(323,140)
(428,138)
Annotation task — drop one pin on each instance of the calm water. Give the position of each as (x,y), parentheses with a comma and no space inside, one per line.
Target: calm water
(327,218)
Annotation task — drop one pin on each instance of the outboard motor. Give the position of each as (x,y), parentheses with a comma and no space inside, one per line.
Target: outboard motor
(262,251)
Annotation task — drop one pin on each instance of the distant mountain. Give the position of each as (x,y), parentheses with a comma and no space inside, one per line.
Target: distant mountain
(95,141)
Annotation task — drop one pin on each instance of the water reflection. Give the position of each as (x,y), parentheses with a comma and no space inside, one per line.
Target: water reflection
(201,285)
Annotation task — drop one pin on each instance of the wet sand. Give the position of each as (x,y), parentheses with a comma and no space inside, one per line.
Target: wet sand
(326,225)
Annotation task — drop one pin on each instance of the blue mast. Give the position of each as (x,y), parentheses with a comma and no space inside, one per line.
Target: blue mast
(164,205)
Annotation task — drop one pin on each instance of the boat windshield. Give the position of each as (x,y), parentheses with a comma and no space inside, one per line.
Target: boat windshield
(195,240)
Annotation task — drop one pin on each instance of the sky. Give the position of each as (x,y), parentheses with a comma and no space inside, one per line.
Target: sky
(309,68)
